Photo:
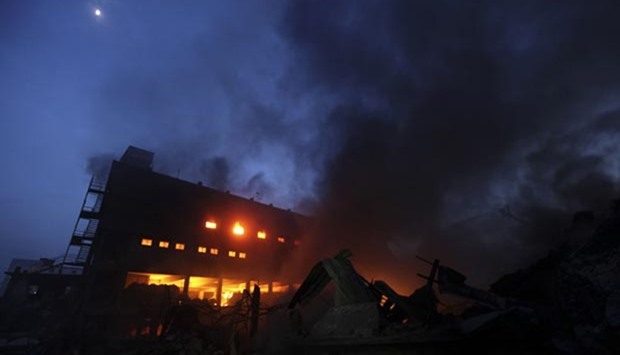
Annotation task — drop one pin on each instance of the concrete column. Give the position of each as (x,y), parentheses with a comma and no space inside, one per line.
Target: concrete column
(218,294)
(186,286)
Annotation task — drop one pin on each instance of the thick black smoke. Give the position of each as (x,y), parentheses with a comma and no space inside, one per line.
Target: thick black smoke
(217,172)
(448,113)
(464,130)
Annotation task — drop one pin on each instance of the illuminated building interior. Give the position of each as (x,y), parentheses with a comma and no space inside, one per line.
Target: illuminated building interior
(154,229)
(218,290)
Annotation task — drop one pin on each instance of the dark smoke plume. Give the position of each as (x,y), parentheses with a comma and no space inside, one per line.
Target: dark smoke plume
(464,130)
(447,111)
(217,172)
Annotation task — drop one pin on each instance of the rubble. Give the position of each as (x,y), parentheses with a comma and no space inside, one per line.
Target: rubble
(371,317)
(566,303)
(575,289)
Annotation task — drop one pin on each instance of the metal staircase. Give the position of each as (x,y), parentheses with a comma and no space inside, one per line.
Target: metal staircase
(78,254)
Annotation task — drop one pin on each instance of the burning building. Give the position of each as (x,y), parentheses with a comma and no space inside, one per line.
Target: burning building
(142,227)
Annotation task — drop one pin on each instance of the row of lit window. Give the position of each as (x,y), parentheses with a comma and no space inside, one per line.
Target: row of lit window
(201,249)
(239,230)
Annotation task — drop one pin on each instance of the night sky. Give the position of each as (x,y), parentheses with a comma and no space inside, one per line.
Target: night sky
(406,127)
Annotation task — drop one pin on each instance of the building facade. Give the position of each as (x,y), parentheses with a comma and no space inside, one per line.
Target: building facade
(148,228)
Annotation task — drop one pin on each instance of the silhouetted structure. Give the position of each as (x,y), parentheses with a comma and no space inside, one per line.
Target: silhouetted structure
(155,229)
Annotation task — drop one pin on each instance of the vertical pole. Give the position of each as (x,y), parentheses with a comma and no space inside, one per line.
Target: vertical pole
(431,277)
(218,294)
(186,286)
(432,300)
(254,310)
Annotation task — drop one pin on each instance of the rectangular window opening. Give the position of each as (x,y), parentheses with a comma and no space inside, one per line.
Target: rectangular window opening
(202,250)
(164,244)
(146,242)
(179,246)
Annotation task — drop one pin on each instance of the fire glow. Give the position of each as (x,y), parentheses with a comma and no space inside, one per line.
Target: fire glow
(238,229)
(219,290)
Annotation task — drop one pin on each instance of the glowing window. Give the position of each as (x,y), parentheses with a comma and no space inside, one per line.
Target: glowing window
(211,225)
(214,251)
(241,255)
(164,244)
(202,249)
(261,235)
(232,254)
(238,229)
(281,239)
(179,246)
(146,242)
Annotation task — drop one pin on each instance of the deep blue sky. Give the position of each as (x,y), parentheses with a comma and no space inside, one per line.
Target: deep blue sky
(179,79)
(405,125)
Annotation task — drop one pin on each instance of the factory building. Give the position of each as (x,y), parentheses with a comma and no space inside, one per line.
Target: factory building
(143,227)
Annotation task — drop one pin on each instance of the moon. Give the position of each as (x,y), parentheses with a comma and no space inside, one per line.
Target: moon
(97,12)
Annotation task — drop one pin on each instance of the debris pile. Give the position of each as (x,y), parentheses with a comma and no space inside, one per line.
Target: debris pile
(371,317)
(576,289)
(566,303)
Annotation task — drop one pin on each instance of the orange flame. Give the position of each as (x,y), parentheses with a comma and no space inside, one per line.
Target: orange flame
(238,229)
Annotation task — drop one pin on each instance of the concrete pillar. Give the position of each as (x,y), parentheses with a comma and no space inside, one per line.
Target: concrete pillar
(218,294)
(186,286)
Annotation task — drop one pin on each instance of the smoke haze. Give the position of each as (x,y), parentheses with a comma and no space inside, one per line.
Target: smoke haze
(446,112)
(465,131)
